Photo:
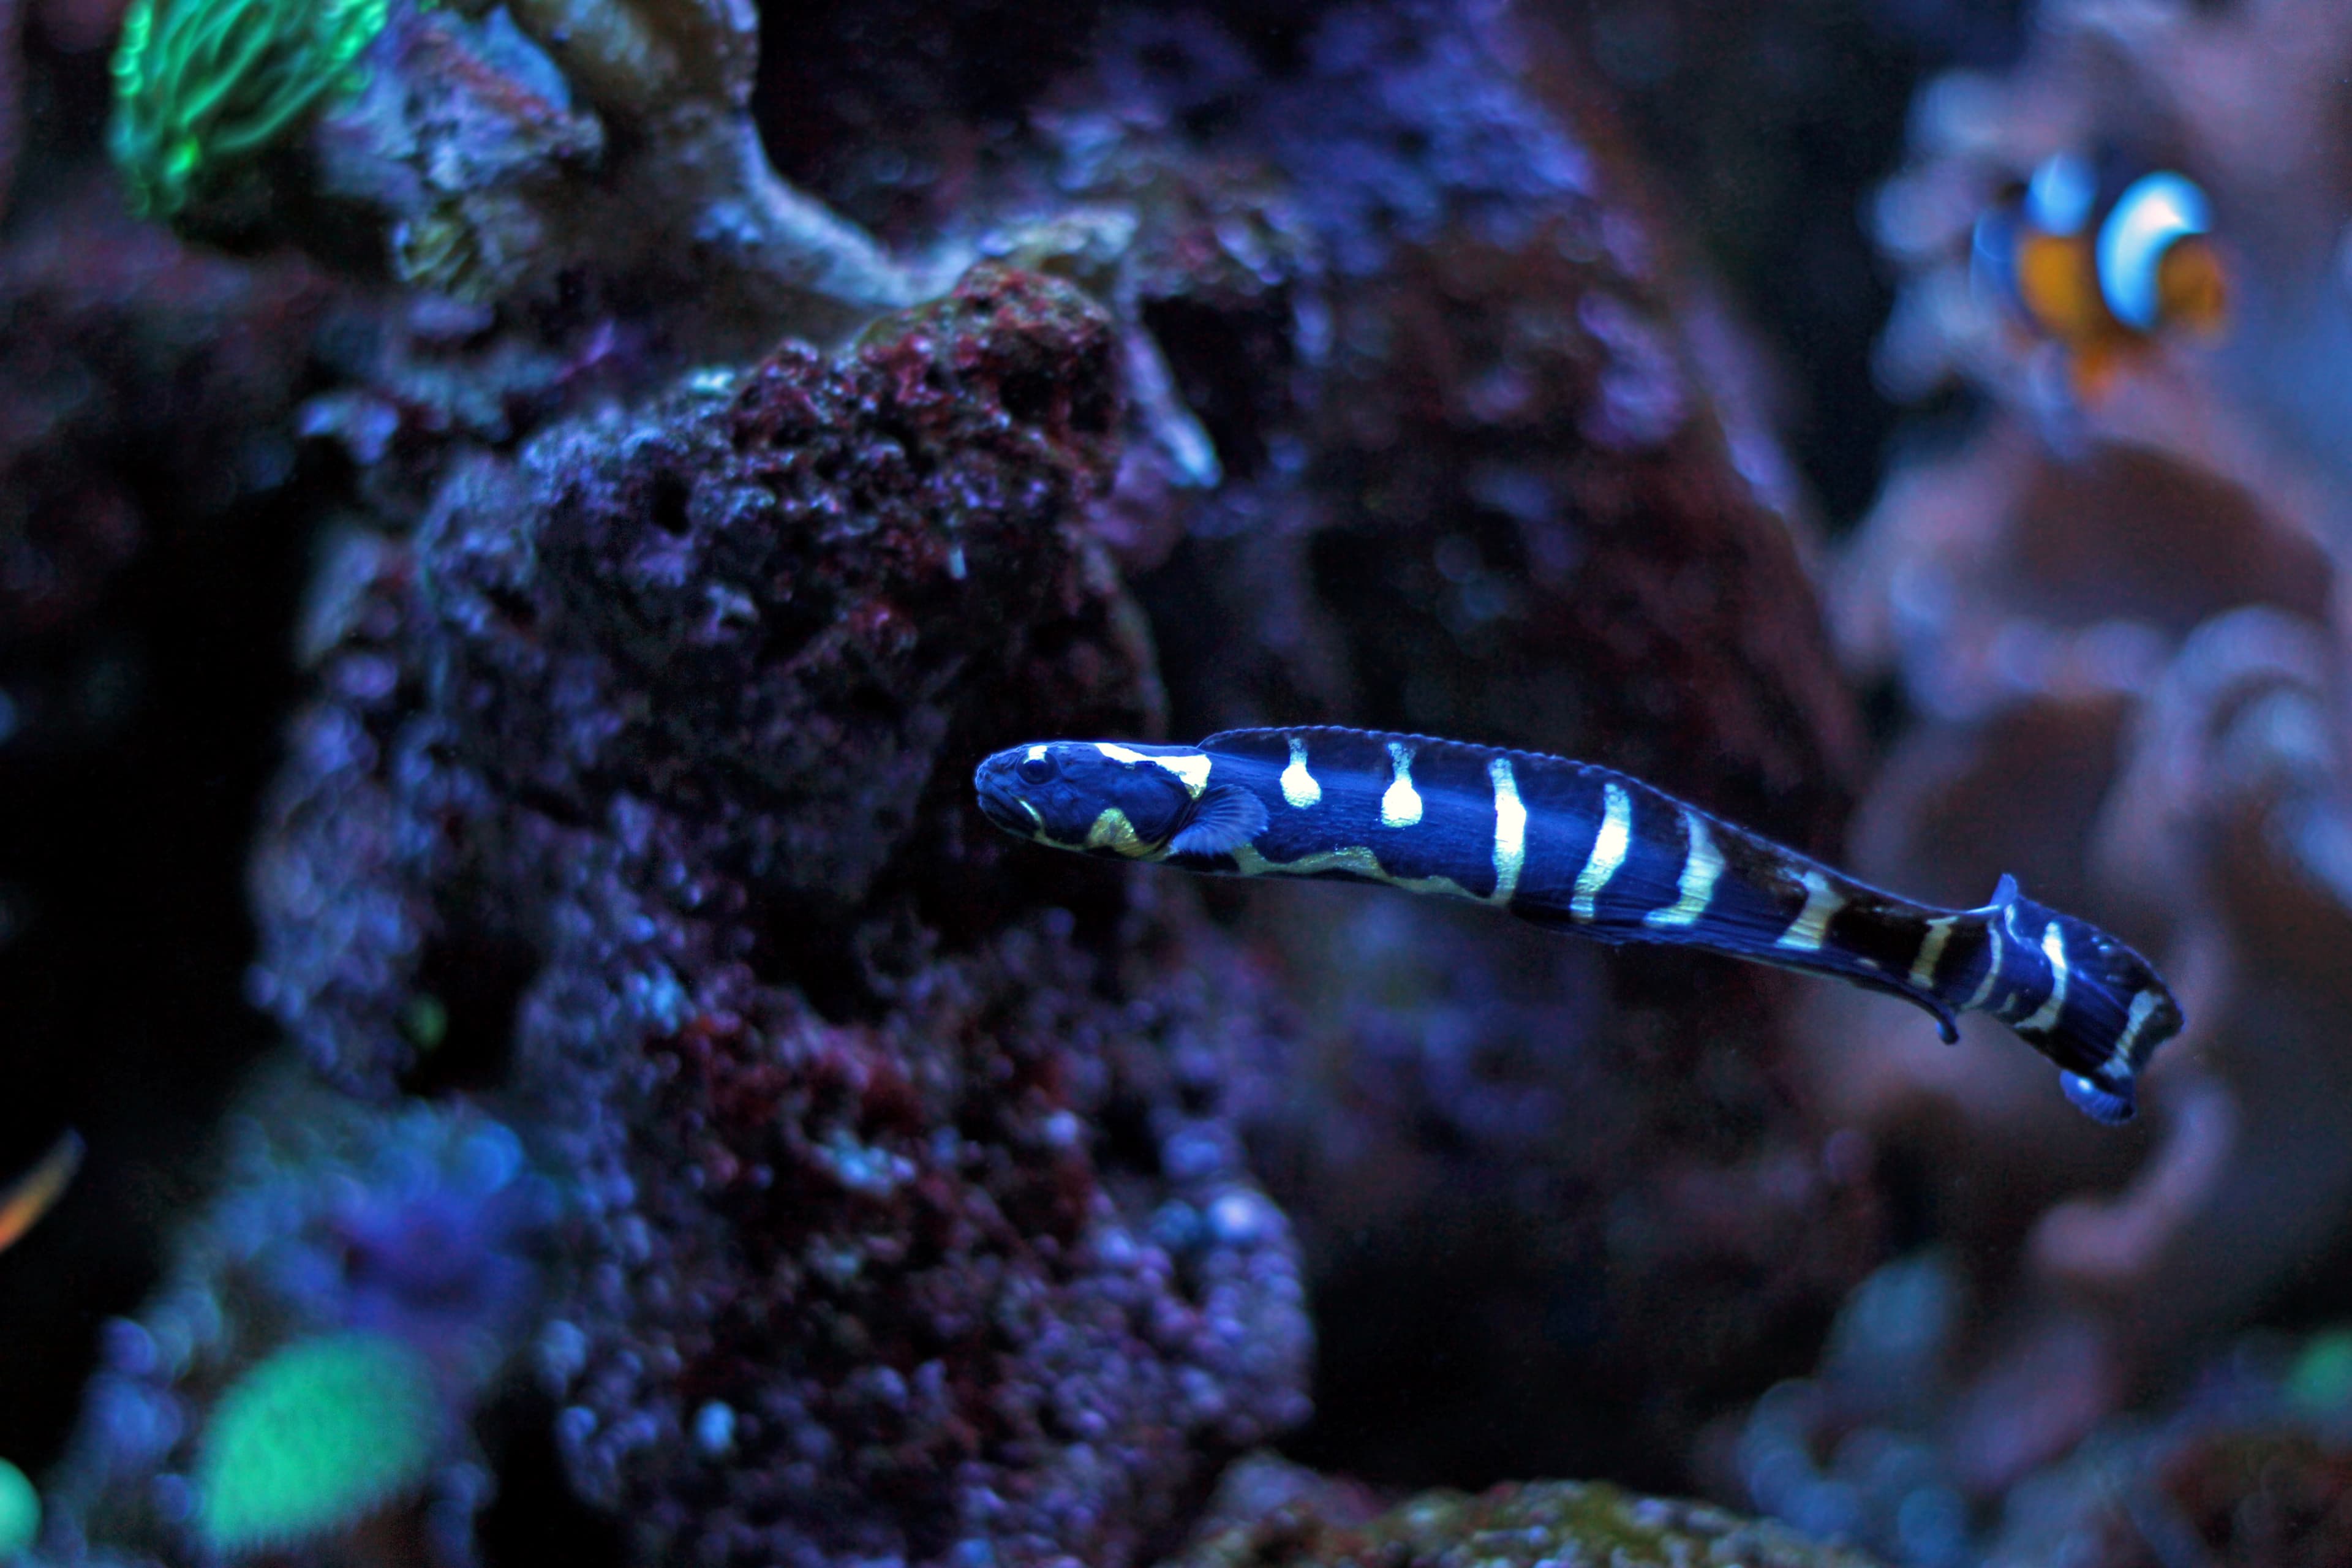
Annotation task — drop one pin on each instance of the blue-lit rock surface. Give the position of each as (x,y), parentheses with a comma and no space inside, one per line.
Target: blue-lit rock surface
(906,1214)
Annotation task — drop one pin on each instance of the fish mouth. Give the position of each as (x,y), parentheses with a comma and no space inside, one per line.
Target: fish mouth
(1000,801)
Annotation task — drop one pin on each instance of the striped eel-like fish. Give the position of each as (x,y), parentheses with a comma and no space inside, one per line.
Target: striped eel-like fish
(1581,848)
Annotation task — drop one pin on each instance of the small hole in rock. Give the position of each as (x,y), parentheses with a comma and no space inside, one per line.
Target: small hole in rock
(667,507)
(535,1516)
(513,607)
(461,1017)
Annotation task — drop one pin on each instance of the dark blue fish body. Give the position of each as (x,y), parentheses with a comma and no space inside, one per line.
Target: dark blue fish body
(1582,848)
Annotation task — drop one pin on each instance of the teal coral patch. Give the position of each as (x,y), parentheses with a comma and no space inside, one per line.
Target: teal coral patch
(20,1511)
(314,1437)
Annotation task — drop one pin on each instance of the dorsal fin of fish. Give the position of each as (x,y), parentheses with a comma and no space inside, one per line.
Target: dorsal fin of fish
(1274,746)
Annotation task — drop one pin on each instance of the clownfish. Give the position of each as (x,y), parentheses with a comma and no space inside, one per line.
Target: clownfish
(2104,281)
(33,1194)
(1578,848)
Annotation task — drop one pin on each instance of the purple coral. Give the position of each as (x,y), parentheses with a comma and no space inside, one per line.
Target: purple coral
(896,1233)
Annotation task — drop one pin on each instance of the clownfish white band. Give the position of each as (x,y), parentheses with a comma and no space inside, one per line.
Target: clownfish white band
(2150,215)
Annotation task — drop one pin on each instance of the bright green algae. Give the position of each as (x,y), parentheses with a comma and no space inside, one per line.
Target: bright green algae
(313,1437)
(201,87)
(20,1511)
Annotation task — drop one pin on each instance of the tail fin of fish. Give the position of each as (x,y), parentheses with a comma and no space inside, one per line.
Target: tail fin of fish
(2076,994)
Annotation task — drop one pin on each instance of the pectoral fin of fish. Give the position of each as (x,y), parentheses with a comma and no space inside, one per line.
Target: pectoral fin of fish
(1225,818)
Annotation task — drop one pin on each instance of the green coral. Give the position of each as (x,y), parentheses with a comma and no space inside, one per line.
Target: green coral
(2320,1382)
(20,1511)
(313,1437)
(1538,1525)
(202,86)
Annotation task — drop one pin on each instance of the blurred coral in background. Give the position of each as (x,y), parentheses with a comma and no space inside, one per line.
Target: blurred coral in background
(2112,611)
(506,568)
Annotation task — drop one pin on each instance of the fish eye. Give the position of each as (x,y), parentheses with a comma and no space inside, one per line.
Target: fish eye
(1035,770)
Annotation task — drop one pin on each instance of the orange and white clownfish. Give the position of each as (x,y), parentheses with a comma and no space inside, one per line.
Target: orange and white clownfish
(2103,280)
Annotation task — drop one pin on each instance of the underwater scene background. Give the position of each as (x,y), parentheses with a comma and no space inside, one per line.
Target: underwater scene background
(519,520)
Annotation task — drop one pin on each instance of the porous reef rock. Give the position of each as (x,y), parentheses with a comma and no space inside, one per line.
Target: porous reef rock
(1541,1524)
(143,392)
(910,1218)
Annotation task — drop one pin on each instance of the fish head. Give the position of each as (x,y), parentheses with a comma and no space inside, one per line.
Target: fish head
(1107,798)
